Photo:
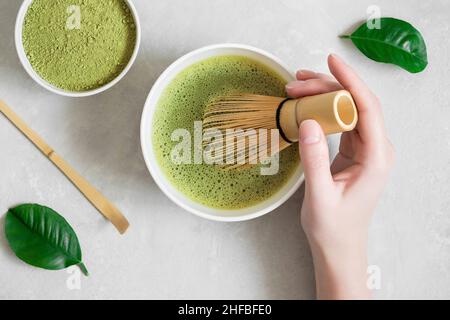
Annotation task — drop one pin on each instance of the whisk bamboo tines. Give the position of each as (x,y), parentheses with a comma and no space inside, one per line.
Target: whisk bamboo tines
(255,127)
(242,119)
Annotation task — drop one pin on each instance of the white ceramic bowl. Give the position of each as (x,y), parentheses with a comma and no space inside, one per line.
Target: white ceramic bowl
(147,146)
(26,64)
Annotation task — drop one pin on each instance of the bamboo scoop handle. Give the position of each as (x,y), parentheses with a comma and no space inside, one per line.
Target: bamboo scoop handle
(96,198)
(334,111)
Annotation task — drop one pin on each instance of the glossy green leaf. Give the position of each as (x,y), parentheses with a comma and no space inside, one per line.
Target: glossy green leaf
(41,237)
(396,42)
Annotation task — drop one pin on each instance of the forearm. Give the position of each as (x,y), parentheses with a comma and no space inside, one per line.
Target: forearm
(341,273)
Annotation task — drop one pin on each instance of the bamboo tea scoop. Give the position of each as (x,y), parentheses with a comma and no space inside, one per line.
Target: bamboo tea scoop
(103,205)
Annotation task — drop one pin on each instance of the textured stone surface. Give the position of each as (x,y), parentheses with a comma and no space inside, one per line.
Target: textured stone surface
(169,253)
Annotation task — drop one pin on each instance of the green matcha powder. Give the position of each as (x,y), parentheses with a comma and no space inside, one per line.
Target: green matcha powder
(81,58)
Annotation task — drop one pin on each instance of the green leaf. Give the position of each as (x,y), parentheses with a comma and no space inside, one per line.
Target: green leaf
(41,237)
(396,42)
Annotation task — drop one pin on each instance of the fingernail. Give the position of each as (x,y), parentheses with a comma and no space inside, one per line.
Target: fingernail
(310,132)
(303,72)
(290,86)
(335,56)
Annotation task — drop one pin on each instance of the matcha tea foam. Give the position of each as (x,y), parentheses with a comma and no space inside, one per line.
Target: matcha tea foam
(183,102)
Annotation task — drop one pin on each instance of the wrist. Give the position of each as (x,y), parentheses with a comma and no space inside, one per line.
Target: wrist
(334,248)
(341,269)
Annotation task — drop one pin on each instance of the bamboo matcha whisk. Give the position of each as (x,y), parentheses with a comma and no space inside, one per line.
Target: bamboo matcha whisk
(241,116)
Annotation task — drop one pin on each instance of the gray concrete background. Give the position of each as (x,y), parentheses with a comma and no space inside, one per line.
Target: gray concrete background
(169,253)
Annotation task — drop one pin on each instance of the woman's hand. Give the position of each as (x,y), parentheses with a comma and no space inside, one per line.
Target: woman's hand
(340,199)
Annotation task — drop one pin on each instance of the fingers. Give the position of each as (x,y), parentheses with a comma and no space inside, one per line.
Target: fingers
(370,139)
(311,87)
(370,125)
(308,75)
(376,151)
(345,157)
(315,158)
(339,164)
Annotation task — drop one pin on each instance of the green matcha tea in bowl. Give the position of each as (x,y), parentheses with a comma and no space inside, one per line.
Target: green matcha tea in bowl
(172,117)
(77,47)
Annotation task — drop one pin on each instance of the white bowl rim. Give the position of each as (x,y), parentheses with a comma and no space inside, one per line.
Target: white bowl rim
(36,77)
(161,180)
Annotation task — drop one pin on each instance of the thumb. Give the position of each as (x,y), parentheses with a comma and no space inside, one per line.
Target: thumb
(315,157)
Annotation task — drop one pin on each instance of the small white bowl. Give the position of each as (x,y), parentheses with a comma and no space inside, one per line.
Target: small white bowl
(26,64)
(147,146)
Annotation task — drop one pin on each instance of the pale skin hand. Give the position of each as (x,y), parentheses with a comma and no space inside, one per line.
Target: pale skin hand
(340,199)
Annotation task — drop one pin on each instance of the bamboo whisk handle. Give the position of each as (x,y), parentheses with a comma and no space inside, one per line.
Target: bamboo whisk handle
(335,111)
